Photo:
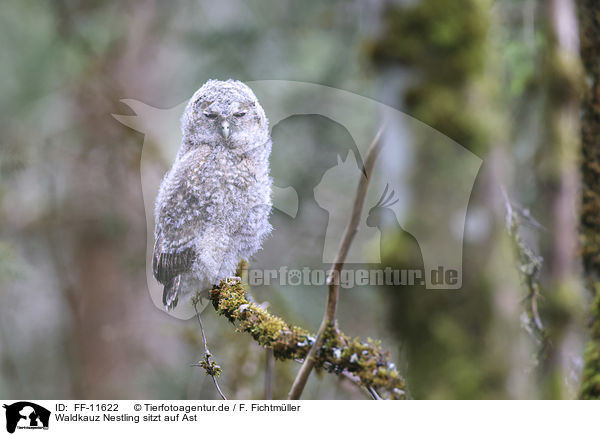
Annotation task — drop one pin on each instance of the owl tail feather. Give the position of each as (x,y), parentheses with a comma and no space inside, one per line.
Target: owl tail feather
(171,293)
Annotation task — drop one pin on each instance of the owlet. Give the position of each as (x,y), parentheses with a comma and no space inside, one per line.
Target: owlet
(213,205)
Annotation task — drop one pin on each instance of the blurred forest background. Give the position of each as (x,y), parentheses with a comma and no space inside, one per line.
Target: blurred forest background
(506,79)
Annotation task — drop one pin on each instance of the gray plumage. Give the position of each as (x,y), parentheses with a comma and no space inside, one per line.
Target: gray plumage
(213,206)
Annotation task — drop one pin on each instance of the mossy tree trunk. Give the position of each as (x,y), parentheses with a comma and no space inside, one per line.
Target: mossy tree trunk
(450,337)
(589,30)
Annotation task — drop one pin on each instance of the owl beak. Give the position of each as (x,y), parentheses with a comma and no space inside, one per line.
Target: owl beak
(225,129)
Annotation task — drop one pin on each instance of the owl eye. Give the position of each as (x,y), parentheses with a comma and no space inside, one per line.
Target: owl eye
(239,114)
(210,115)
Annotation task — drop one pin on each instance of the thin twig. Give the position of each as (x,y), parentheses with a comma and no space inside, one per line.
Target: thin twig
(211,368)
(373,393)
(369,390)
(333,279)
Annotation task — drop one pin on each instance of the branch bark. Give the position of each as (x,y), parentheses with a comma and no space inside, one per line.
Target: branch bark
(364,363)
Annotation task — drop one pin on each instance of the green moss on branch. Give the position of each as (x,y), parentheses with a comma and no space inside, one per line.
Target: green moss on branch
(364,363)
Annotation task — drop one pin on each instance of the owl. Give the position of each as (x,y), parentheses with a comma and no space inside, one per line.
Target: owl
(213,205)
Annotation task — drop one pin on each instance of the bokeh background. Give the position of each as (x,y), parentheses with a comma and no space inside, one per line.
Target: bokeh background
(502,78)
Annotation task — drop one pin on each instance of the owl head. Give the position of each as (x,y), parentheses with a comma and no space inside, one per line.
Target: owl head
(224,114)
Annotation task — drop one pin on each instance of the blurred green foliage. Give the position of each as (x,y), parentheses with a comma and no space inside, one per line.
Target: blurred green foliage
(73,290)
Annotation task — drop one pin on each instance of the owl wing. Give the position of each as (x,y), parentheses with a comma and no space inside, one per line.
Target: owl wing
(173,250)
(167,267)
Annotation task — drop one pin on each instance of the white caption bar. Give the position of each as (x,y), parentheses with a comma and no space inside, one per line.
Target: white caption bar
(301,417)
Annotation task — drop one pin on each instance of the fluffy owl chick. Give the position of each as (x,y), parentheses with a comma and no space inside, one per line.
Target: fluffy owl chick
(213,206)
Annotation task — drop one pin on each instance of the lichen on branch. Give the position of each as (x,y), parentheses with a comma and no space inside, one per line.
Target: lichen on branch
(363,362)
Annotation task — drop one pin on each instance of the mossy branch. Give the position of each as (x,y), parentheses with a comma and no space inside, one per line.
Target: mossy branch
(363,362)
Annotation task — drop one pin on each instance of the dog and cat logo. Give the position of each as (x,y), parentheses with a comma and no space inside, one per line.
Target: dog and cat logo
(26,415)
